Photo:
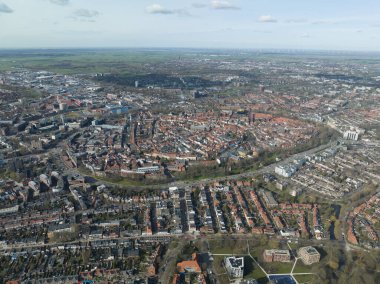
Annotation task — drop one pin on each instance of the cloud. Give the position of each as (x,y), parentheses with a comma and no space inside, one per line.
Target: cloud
(85,15)
(4,8)
(296,21)
(158,9)
(342,20)
(325,22)
(305,35)
(223,5)
(267,19)
(199,5)
(262,31)
(60,2)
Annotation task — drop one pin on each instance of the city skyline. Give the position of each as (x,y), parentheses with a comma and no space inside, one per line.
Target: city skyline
(191,24)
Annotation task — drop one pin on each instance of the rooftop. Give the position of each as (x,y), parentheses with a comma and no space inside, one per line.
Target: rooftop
(276,251)
(236,262)
(310,250)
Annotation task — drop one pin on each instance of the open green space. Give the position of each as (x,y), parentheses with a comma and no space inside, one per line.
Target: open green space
(255,253)
(77,61)
(307,278)
(228,246)
(74,61)
(120,181)
(218,264)
(252,271)
(278,267)
(302,268)
(223,278)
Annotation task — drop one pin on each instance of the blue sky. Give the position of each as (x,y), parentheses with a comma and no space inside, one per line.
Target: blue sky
(280,24)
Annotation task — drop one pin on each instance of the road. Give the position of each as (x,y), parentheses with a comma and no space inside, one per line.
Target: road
(78,242)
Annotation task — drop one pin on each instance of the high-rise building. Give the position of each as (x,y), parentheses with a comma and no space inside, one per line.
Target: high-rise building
(251,117)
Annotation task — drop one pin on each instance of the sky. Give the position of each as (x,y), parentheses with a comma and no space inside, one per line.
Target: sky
(247,24)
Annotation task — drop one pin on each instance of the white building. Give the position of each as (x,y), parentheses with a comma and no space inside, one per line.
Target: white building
(234,266)
(285,171)
(148,170)
(9,210)
(295,192)
(33,185)
(288,233)
(351,135)
(45,179)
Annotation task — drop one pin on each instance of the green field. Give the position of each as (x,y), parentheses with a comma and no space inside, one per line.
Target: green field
(304,278)
(228,246)
(302,268)
(255,253)
(218,264)
(278,267)
(126,61)
(251,271)
(74,61)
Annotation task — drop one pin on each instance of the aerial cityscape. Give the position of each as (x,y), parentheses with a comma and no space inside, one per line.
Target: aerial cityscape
(188,163)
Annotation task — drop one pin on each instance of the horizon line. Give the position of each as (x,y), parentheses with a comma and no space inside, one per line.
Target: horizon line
(280,50)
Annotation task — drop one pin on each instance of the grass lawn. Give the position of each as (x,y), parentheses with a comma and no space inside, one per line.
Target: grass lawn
(304,278)
(121,182)
(302,268)
(278,267)
(255,253)
(284,267)
(83,61)
(251,271)
(294,245)
(223,279)
(225,246)
(218,264)
(222,250)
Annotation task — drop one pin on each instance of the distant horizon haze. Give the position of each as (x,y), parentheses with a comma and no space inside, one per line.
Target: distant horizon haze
(190,49)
